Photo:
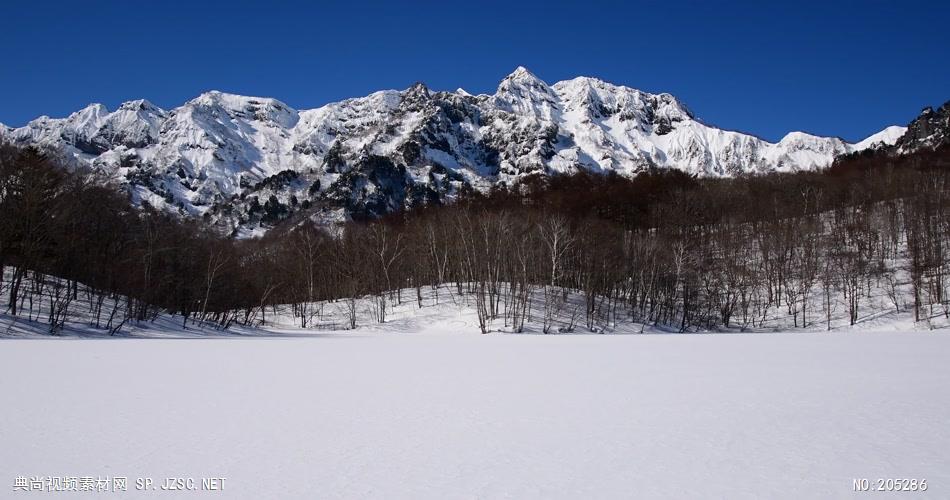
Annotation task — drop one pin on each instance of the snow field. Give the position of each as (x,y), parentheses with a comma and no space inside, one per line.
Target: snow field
(443,415)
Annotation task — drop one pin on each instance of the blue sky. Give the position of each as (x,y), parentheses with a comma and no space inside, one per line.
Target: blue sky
(830,68)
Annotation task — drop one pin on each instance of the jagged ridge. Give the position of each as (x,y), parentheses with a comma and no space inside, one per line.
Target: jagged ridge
(247,162)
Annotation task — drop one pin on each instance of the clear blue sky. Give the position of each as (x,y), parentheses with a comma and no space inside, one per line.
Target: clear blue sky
(826,67)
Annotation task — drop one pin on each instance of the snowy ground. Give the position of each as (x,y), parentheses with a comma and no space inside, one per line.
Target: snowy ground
(445,310)
(460,415)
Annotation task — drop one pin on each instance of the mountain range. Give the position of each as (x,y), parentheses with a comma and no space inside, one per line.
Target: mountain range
(246,163)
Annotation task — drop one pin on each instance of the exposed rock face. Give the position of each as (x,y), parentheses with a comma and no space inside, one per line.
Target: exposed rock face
(929,130)
(245,163)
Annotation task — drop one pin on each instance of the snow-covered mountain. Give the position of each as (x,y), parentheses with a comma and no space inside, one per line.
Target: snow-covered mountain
(248,162)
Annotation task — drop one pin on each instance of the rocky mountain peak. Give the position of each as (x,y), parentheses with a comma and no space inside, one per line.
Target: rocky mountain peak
(931,129)
(523,93)
(141,105)
(523,75)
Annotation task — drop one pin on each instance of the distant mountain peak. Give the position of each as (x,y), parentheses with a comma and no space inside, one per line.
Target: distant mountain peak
(521,78)
(140,105)
(523,74)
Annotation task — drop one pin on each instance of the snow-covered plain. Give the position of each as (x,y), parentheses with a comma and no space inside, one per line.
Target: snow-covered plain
(445,414)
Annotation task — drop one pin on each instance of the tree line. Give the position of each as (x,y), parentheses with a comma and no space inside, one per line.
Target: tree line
(662,248)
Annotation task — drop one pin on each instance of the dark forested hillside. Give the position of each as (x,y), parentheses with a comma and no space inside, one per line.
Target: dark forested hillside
(664,247)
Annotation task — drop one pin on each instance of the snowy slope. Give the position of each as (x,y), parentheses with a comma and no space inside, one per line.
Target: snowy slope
(246,161)
(887,137)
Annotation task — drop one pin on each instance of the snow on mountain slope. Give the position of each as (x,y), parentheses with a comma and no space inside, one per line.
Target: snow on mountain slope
(887,137)
(248,162)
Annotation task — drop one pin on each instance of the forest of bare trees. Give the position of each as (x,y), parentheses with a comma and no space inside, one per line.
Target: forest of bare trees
(663,248)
